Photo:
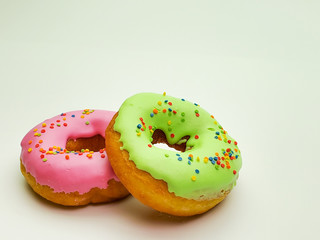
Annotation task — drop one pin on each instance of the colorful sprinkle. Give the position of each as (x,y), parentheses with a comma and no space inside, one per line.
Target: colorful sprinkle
(193,178)
(196,137)
(197,171)
(151,114)
(149,145)
(172,135)
(87,123)
(67,157)
(155,111)
(29,150)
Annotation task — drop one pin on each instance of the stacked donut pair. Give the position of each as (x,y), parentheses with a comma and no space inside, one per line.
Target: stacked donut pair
(95,156)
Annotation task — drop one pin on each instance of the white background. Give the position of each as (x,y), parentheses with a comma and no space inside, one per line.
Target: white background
(253,64)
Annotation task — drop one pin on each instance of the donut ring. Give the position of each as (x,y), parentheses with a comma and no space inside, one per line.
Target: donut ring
(183,184)
(58,165)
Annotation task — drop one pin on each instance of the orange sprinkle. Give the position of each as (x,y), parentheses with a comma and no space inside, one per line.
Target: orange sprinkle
(67,157)
(40,141)
(206,159)
(164,110)
(30,142)
(89,155)
(82,116)
(155,111)
(35,130)
(217,154)
(212,116)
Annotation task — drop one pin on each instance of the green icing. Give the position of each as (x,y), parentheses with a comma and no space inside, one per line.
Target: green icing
(190,176)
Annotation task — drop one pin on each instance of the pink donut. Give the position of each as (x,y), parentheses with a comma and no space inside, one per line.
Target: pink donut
(68,176)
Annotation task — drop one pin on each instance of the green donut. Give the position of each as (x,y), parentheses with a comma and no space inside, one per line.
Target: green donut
(205,170)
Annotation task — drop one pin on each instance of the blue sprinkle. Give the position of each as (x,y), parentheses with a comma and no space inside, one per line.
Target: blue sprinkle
(61,114)
(151,114)
(75,153)
(230,154)
(57,152)
(216,137)
(210,159)
(215,158)
(237,156)
(180,158)
(197,171)
(139,126)
(195,104)
(217,133)
(213,162)
(182,99)
(189,162)
(165,101)
(73,115)
(178,154)
(170,110)
(189,158)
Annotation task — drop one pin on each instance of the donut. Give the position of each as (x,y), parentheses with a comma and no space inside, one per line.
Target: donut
(199,169)
(64,160)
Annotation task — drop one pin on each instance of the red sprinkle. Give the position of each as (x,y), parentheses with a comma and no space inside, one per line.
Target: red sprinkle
(58,120)
(37,145)
(222,165)
(150,127)
(234,171)
(43,131)
(218,162)
(101,150)
(41,156)
(141,119)
(164,110)
(172,135)
(196,137)
(103,156)
(67,157)
(229,141)
(149,145)
(174,111)
(197,114)
(170,103)
(65,124)
(235,143)
(51,127)
(228,149)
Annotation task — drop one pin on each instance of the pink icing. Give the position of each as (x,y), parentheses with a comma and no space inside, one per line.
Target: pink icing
(78,173)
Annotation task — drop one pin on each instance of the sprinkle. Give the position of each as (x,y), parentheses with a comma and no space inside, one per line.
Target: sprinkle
(164,110)
(30,142)
(182,99)
(198,159)
(159,103)
(103,155)
(180,158)
(58,125)
(197,171)
(235,143)
(164,93)
(166,155)
(87,122)
(89,155)
(170,103)
(169,122)
(65,124)
(170,110)
(193,178)
(29,150)
(64,119)
(228,150)
(172,135)
(178,154)
(151,114)
(58,120)
(205,160)
(43,130)
(139,133)
(189,162)
(149,145)
(44,159)
(165,101)
(73,115)
(196,137)
(82,116)
(44,124)
(234,172)
(174,112)
(212,116)
(67,157)
(41,156)
(35,130)
(139,126)
(222,165)
(197,114)
(37,145)
(229,141)
(155,111)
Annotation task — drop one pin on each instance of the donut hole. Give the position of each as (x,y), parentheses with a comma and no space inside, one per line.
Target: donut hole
(159,139)
(94,143)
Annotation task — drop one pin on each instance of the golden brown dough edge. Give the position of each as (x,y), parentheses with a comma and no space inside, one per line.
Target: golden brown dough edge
(114,192)
(151,192)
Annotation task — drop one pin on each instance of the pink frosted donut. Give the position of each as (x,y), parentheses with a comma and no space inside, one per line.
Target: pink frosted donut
(64,159)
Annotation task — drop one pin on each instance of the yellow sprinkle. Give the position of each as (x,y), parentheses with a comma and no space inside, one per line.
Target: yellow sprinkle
(29,149)
(169,122)
(91,152)
(151,130)
(215,122)
(87,113)
(159,103)
(139,133)
(35,134)
(236,150)
(44,124)
(217,154)
(35,130)
(89,155)
(198,159)
(205,160)
(193,178)
(164,93)
(82,116)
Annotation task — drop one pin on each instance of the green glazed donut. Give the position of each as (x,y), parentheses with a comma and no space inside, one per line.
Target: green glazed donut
(212,160)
